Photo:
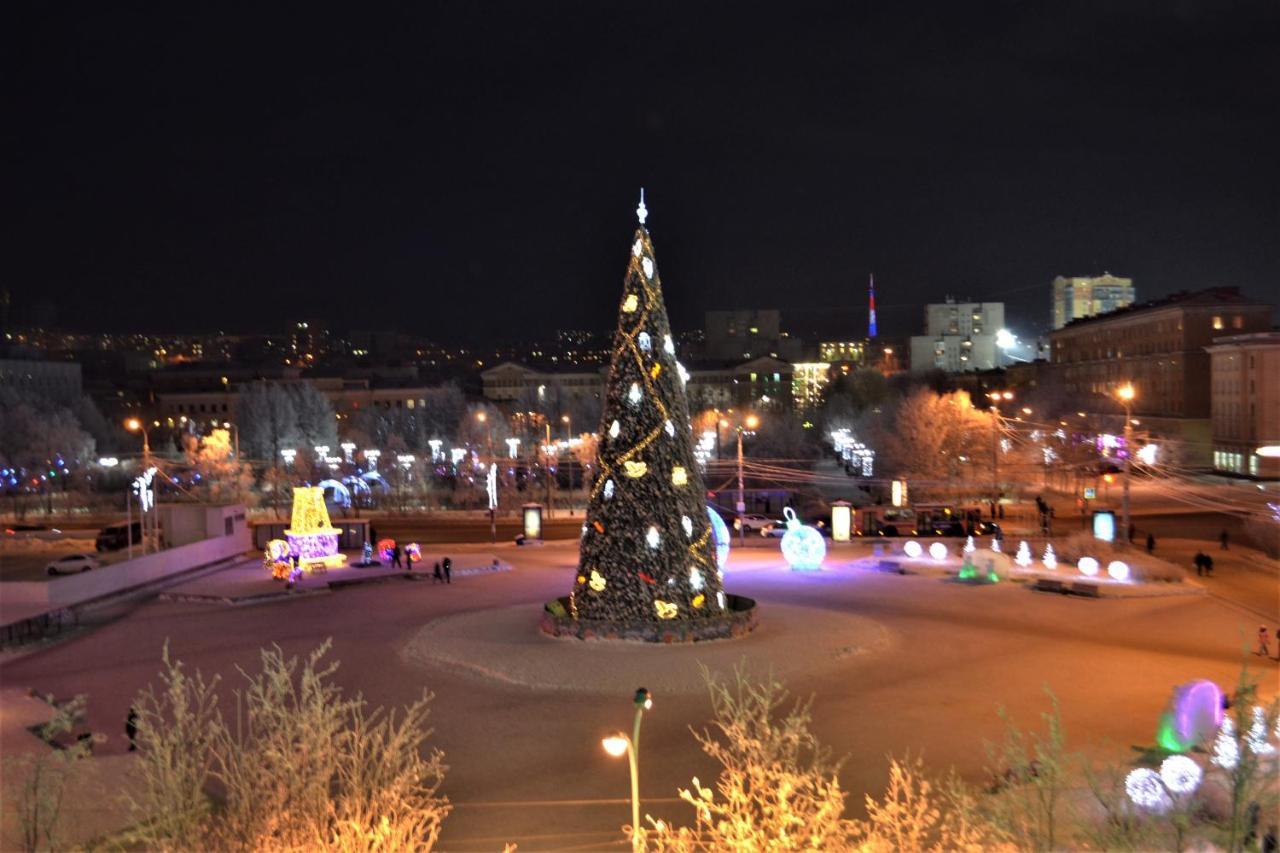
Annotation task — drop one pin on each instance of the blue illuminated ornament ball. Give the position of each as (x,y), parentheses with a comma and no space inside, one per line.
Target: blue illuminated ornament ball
(802,545)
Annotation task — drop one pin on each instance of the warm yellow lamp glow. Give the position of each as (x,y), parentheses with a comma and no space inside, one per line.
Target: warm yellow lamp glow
(752,422)
(1125,392)
(133,424)
(616,745)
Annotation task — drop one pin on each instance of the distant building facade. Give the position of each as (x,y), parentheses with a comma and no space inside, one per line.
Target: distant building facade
(58,380)
(1159,347)
(1078,297)
(741,335)
(1244,396)
(959,337)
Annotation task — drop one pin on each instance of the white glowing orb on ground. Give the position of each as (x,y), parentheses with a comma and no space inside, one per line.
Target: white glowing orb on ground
(719,535)
(938,551)
(1087,566)
(912,549)
(802,546)
(1180,774)
(1146,790)
(1118,570)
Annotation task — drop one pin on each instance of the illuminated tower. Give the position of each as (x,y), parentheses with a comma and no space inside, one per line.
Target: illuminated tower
(871,322)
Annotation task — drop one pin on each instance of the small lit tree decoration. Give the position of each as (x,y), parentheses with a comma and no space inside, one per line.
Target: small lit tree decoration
(802,546)
(1147,791)
(969,547)
(1257,737)
(310,534)
(1226,749)
(995,544)
(1049,559)
(1023,557)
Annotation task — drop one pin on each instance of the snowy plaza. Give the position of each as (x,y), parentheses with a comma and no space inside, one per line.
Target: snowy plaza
(895,662)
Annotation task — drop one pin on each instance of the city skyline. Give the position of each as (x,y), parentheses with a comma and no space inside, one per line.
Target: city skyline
(466,168)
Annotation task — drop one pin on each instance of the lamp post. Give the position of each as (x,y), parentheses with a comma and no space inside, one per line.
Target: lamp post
(235,436)
(750,422)
(1126,393)
(996,397)
(138,425)
(617,744)
(568,438)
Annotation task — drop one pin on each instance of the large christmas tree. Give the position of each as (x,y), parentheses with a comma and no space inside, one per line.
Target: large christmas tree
(647,550)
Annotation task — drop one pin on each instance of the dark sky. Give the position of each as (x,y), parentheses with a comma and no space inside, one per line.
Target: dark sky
(469,170)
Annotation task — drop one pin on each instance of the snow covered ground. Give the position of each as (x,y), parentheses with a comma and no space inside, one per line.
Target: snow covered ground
(525,760)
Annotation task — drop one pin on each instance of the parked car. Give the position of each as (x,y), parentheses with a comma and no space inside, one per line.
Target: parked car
(113,537)
(72,564)
(754,522)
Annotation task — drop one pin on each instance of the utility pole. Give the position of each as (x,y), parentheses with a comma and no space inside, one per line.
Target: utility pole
(546,472)
(1126,395)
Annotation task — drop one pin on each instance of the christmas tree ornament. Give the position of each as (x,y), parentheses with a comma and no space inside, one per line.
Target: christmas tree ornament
(631,303)
(597,581)
(695,579)
(1147,791)
(679,477)
(634,396)
(720,536)
(642,341)
(670,428)
(1180,774)
(635,469)
(668,346)
(614,429)
(608,489)
(687,523)
(802,546)
(653,538)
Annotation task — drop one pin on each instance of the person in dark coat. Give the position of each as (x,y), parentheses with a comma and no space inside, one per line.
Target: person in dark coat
(437,576)
(1151,543)
(1198,560)
(131,728)
(1222,538)
(395,556)
(448,570)
(1208,565)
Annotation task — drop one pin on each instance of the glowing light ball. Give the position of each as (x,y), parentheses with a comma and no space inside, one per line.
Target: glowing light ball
(938,551)
(802,546)
(1146,790)
(387,548)
(1118,570)
(277,549)
(1180,774)
(719,535)
(1087,566)
(413,552)
(912,549)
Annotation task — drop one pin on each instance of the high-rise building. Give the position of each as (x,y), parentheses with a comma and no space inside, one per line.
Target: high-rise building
(1244,403)
(1077,297)
(959,337)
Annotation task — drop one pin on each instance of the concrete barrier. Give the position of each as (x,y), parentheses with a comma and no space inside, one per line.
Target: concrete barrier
(120,577)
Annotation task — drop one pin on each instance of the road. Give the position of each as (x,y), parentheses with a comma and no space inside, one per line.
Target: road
(956,653)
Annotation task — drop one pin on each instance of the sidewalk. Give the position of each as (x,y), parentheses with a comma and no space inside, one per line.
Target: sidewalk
(248,582)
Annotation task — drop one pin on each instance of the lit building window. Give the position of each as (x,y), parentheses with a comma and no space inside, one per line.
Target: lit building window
(1217,322)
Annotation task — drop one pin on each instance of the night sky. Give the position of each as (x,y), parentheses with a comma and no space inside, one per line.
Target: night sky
(469,170)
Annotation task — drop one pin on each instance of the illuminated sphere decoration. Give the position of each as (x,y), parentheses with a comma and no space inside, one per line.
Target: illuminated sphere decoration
(802,546)
(912,549)
(1118,570)
(938,551)
(719,535)
(1087,566)
(1180,774)
(1146,790)
(387,548)
(413,552)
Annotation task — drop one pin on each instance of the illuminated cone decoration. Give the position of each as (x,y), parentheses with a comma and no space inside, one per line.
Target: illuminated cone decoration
(647,549)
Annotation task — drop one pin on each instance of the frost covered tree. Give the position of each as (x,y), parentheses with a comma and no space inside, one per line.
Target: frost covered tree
(647,552)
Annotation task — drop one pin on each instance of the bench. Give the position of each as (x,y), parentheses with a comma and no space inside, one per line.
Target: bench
(1088,590)
(1049,585)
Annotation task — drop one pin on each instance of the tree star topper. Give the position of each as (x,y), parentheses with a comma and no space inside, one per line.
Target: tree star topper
(642,212)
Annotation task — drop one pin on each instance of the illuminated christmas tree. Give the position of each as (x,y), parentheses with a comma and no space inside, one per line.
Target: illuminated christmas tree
(647,549)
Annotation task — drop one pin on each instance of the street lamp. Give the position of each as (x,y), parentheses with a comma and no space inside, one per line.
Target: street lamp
(1126,393)
(996,397)
(235,434)
(749,423)
(136,425)
(618,744)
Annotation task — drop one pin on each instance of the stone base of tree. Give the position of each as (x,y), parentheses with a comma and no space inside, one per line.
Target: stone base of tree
(738,621)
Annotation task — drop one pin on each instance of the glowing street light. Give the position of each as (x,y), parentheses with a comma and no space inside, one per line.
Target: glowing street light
(618,744)
(1126,393)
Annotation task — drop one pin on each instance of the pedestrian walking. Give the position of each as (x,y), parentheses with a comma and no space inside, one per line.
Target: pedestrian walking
(395,556)
(1264,642)
(1208,565)
(448,570)
(131,728)
(436,575)
(1198,560)
(1222,537)
(1132,530)
(1151,543)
